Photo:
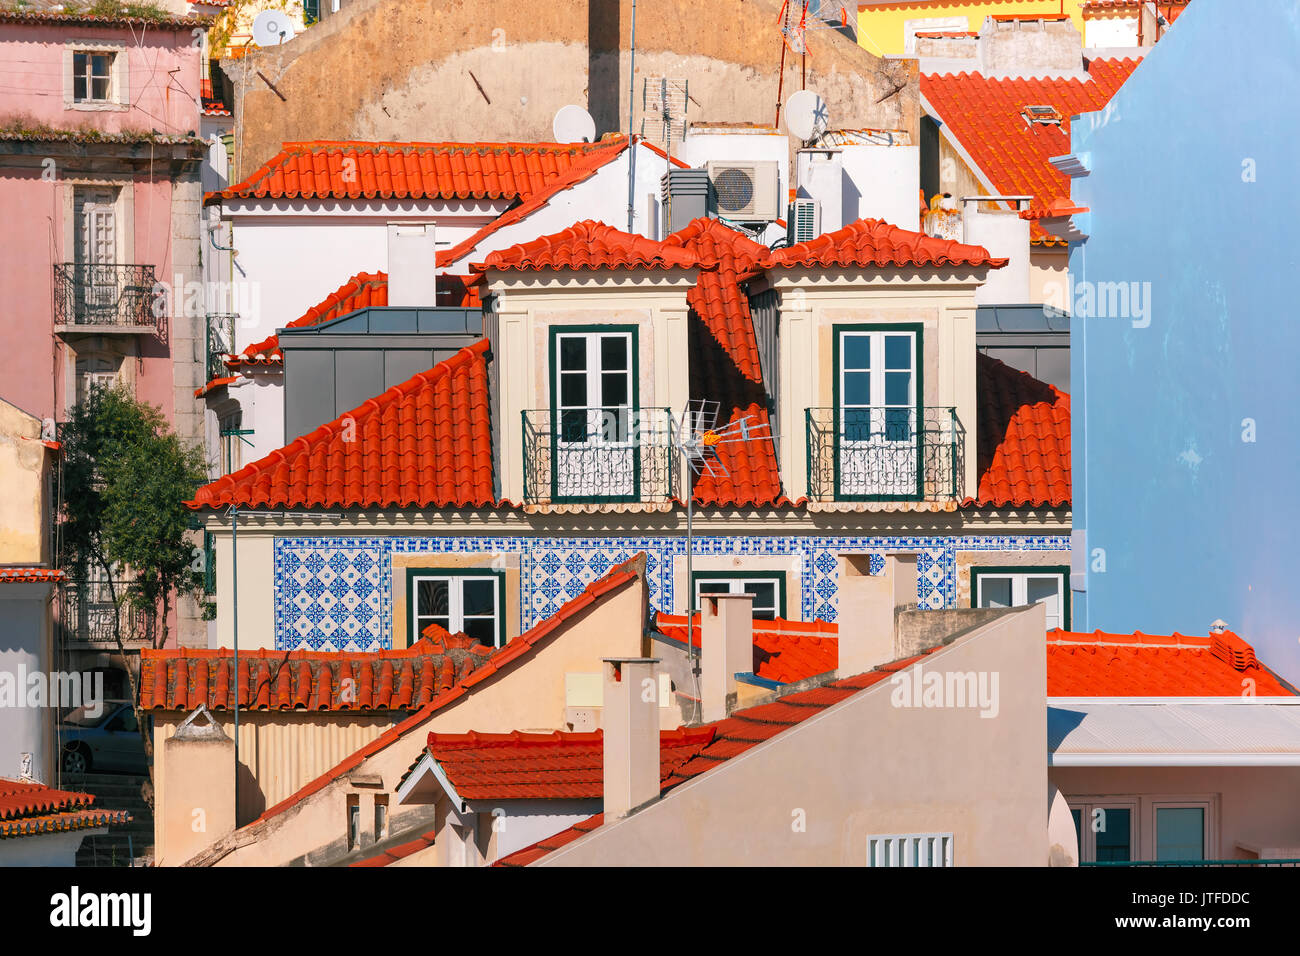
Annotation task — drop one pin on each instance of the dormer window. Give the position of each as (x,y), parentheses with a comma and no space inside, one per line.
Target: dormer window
(1042,115)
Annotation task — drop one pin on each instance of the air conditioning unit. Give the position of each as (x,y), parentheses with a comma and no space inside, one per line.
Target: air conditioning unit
(804,221)
(746,191)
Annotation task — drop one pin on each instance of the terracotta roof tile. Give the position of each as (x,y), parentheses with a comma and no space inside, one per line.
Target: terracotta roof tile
(30,575)
(875,243)
(554,766)
(589,245)
(28,808)
(784,651)
(986,116)
(1023,433)
(424,443)
(380,170)
(1148,665)
(516,650)
(401,852)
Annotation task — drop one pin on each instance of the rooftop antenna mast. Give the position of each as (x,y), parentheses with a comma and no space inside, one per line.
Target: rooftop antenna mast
(697,439)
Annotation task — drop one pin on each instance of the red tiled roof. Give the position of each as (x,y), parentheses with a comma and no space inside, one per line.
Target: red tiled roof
(424,443)
(404,679)
(725,365)
(215,384)
(1148,665)
(784,651)
(370,170)
(554,766)
(874,242)
(29,808)
(588,245)
(1023,432)
(734,735)
(30,575)
(517,649)
(986,116)
(389,857)
(362,291)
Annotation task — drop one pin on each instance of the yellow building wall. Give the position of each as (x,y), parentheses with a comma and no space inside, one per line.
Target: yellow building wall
(881,28)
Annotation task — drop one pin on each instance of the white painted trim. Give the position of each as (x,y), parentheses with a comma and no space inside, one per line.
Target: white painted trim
(1174,760)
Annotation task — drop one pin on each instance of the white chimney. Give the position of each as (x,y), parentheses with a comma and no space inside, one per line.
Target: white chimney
(866,613)
(630,719)
(1006,236)
(821,177)
(412,265)
(726,648)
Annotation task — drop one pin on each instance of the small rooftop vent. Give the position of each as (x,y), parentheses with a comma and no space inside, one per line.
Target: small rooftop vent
(1042,115)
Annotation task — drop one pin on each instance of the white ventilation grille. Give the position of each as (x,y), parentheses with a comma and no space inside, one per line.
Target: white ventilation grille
(804,221)
(910,849)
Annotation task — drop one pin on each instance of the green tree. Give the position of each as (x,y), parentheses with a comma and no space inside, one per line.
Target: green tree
(126,477)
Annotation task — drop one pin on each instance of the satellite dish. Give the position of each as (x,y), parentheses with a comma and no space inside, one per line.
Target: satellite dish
(271,28)
(573,124)
(806,115)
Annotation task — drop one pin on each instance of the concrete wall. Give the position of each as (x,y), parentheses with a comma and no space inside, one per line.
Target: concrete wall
(1182,441)
(529,697)
(24,506)
(1255,806)
(882,23)
(26,649)
(399,70)
(866,767)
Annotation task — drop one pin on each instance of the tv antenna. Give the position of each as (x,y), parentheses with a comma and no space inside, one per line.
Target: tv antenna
(806,116)
(663,104)
(573,124)
(697,439)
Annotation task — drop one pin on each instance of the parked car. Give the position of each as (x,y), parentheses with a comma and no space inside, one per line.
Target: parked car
(107,739)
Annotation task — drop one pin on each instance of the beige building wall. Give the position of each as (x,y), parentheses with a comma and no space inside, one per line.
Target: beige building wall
(526,696)
(529,305)
(1049,276)
(813,795)
(1252,810)
(813,304)
(24,504)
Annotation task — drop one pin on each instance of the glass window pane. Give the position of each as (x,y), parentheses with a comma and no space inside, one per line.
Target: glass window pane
(79,85)
(898,388)
(573,352)
(613,352)
(764,598)
(1180,833)
(857,425)
(857,388)
(613,388)
(856,350)
(573,390)
(431,598)
(898,424)
(1078,829)
(424,621)
(1114,826)
(479,596)
(1046,591)
(574,427)
(100,87)
(994,591)
(482,629)
(898,351)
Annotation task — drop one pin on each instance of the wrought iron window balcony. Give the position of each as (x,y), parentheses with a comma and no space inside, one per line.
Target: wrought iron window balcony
(578,455)
(220,341)
(885,454)
(104,296)
(87,612)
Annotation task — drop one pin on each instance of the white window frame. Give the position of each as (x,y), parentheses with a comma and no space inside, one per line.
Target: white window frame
(1088,836)
(737,586)
(1205,805)
(119,98)
(456,602)
(1020,589)
(911,849)
(1142,814)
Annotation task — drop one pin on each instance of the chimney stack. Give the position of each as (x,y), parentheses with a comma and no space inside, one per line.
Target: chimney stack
(198,806)
(630,719)
(726,648)
(412,265)
(867,605)
(820,173)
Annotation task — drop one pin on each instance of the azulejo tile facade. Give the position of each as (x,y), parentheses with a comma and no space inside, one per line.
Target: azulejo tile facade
(337,593)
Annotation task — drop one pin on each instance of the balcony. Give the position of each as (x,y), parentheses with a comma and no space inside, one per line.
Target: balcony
(87,611)
(599,455)
(220,341)
(885,454)
(104,298)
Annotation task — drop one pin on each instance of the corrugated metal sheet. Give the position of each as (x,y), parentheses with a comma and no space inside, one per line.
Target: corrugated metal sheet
(1088,732)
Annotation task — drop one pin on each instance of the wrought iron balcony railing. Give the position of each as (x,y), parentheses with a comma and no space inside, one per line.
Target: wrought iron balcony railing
(599,455)
(87,611)
(220,336)
(885,454)
(104,294)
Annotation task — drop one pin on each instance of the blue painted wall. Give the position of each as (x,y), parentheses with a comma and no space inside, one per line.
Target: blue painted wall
(1195,168)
